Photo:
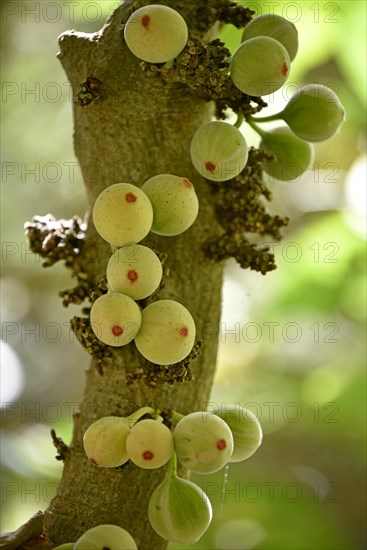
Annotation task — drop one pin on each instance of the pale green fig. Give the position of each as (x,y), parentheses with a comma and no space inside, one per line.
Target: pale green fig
(276,27)
(149,444)
(175,203)
(293,156)
(134,270)
(314,113)
(115,319)
(66,546)
(167,332)
(246,430)
(106,537)
(105,441)
(179,511)
(122,214)
(203,442)
(218,151)
(156,33)
(260,66)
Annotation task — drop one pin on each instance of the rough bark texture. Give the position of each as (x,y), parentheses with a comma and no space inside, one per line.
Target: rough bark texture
(138,128)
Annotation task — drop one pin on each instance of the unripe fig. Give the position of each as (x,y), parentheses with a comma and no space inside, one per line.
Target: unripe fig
(122,214)
(66,546)
(276,27)
(246,430)
(115,319)
(106,537)
(314,113)
(293,156)
(260,66)
(218,151)
(149,444)
(156,33)
(179,511)
(105,441)
(167,332)
(174,201)
(203,442)
(134,270)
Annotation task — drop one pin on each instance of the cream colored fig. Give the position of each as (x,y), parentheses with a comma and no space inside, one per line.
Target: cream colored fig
(175,203)
(156,33)
(218,151)
(122,214)
(203,442)
(115,319)
(134,270)
(167,332)
(149,444)
(105,442)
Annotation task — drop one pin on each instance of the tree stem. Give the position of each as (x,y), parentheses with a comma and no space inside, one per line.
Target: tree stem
(138,127)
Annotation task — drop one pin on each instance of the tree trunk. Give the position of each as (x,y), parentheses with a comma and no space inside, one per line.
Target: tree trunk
(139,127)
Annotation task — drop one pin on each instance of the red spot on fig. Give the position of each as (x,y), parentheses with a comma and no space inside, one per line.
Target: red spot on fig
(183,331)
(211,167)
(145,21)
(117,330)
(221,444)
(93,461)
(130,197)
(148,455)
(284,69)
(132,276)
(186,183)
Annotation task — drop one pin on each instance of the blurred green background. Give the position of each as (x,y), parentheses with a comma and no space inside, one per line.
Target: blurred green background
(292,343)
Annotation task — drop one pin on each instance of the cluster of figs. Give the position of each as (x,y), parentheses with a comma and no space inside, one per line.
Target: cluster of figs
(164,331)
(166,204)
(202,442)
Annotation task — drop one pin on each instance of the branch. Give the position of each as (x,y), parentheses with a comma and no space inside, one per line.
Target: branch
(30,530)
